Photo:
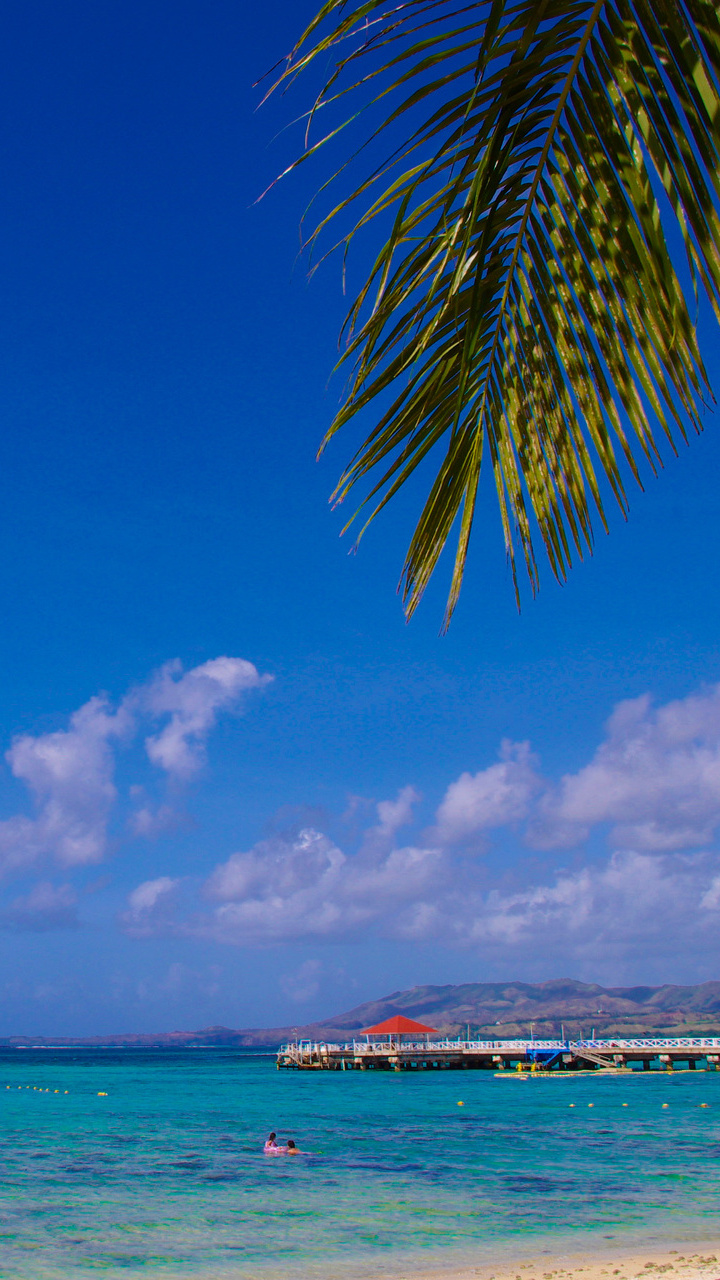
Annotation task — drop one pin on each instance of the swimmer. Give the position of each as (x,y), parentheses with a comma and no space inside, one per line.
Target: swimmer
(271,1145)
(291,1149)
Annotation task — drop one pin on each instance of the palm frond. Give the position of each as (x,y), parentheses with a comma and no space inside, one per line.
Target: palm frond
(523,305)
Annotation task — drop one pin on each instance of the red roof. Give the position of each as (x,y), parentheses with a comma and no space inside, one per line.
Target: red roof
(398,1026)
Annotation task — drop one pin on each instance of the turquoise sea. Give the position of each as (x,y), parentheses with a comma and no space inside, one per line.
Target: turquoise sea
(165,1176)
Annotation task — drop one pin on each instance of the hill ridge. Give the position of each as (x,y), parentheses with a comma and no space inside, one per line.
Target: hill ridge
(494,1010)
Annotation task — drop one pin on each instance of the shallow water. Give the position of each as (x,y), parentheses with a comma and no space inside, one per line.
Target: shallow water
(165,1176)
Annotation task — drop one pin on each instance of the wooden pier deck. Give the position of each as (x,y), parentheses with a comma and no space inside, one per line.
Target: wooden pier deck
(534,1056)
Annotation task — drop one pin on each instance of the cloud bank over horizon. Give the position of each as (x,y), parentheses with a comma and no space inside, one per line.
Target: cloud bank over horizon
(615,857)
(611,859)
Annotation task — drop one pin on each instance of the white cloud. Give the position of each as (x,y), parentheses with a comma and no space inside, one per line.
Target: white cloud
(656,777)
(70,774)
(626,891)
(192,700)
(305,886)
(392,816)
(146,896)
(653,782)
(710,900)
(149,822)
(306,889)
(495,797)
(150,907)
(45,908)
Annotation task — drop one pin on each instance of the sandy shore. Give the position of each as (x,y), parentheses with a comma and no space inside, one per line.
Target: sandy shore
(696,1261)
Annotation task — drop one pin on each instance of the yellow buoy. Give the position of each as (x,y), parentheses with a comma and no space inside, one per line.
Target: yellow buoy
(591,1104)
(461,1104)
(704,1104)
(626,1104)
(571,1104)
(666,1104)
(102,1095)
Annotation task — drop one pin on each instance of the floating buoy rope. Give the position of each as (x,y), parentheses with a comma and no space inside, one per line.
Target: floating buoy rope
(36,1088)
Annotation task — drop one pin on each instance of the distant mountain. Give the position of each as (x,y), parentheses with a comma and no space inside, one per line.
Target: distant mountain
(492,1010)
(508,1008)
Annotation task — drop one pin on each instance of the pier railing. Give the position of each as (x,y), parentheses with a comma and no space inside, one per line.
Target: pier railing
(661,1044)
(554,1054)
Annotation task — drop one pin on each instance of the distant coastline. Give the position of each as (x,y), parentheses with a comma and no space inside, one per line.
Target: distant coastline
(487,1010)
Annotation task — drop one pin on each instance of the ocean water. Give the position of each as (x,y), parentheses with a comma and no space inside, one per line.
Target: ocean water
(165,1176)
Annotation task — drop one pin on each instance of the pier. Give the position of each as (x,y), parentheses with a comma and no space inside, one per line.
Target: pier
(532,1056)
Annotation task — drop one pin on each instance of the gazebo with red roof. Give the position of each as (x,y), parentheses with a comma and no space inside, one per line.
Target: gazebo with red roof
(399,1026)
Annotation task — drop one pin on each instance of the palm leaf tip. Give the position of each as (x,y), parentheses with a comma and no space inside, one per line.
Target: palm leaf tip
(523,307)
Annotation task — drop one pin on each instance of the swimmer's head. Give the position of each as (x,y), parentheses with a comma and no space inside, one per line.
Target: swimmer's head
(272,1137)
(291,1144)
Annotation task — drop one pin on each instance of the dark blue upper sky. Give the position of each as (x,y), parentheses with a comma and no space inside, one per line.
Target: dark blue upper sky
(164,385)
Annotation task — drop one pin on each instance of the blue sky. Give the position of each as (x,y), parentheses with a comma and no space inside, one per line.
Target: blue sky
(203,844)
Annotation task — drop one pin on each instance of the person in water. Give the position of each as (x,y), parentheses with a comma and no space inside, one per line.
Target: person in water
(271,1147)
